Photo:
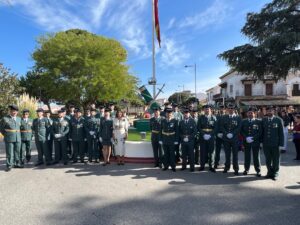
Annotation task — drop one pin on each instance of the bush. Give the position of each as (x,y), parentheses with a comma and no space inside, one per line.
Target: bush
(24,101)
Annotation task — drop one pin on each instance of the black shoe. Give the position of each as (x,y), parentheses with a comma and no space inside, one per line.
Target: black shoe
(192,170)
(212,170)
(183,168)
(173,169)
(236,173)
(225,171)
(268,176)
(104,164)
(296,159)
(196,163)
(65,163)
(28,159)
(283,151)
(164,169)
(82,161)
(17,166)
(215,166)
(75,161)
(274,178)
(245,172)
(258,174)
(8,169)
(55,162)
(156,165)
(97,161)
(201,168)
(39,163)
(48,164)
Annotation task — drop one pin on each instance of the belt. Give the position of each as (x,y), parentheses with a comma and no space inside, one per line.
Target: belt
(9,130)
(168,134)
(26,131)
(207,130)
(155,131)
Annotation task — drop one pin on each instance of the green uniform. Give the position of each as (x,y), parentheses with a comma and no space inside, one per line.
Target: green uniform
(219,140)
(170,137)
(68,117)
(207,127)
(26,137)
(77,135)
(10,128)
(92,128)
(178,116)
(50,138)
(60,131)
(251,128)
(155,127)
(196,144)
(41,128)
(106,131)
(230,127)
(187,133)
(272,139)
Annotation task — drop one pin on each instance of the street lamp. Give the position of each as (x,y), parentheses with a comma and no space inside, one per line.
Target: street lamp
(195,67)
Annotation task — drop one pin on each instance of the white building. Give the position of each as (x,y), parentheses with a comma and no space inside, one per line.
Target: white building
(213,93)
(246,90)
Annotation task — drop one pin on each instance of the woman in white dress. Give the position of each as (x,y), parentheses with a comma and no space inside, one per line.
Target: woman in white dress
(120,134)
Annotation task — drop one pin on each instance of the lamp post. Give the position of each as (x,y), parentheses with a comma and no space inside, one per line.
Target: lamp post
(195,68)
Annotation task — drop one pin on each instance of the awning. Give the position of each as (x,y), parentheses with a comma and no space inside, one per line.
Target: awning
(285,102)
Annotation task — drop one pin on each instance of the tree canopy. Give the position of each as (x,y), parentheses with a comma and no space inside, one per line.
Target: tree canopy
(9,88)
(81,67)
(274,47)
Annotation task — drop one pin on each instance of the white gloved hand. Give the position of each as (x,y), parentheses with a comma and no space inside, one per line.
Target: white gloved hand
(186,139)
(249,140)
(112,140)
(175,143)
(206,137)
(261,145)
(100,139)
(160,142)
(281,148)
(57,135)
(229,135)
(32,138)
(92,132)
(220,135)
(85,139)
(70,139)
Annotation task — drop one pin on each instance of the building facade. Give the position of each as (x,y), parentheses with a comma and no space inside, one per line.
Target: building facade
(245,90)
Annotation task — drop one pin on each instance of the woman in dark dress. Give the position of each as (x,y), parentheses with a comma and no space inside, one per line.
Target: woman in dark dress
(296,136)
(106,134)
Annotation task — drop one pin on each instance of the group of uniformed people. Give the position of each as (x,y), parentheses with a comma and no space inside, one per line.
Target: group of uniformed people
(208,132)
(87,134)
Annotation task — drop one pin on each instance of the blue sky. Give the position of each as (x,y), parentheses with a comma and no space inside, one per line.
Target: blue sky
(192,31)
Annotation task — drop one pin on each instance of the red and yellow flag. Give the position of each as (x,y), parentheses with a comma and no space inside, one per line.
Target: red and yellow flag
(156,20)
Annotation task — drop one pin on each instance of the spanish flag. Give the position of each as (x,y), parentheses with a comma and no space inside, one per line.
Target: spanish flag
(156,20)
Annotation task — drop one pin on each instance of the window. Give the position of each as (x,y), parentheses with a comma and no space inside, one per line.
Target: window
(295,91)
(231,88)
(269,89)
(248,89)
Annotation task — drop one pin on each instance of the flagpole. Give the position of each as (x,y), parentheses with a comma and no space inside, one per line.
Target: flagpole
(153,52)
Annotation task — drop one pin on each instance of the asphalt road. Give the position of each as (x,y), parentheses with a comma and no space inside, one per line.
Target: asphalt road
(140,194)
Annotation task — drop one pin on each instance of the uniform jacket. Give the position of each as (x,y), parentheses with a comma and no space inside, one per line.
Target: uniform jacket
(10,129)
(272,132)
(92,124)
(26,129)
(60,127)
(106,128)
(41,128)
(207,125)
(187,129)
(155,127)
(169,131)
(77,131)
(230,124)
(251,128)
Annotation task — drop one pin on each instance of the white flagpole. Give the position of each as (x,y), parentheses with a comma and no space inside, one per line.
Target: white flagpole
(153,51)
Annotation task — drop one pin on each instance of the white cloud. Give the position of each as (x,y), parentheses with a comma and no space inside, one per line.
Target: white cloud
(171,23)
(173,53)
(51,16)
(98,11)
(215,14)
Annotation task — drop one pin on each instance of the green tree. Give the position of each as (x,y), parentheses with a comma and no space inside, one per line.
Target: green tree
(275,40)
(9,88)
(78,66)
(179,97)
